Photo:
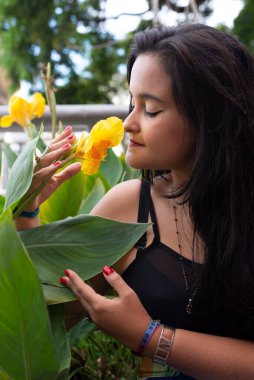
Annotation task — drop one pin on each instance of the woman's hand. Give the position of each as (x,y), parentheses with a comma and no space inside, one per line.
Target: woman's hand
(48,164)
(122,317)
(44,173)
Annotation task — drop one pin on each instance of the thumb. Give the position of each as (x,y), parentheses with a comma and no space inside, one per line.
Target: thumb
(68,172)
(116,281)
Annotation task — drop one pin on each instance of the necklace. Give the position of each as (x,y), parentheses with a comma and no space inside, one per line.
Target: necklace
(190,299)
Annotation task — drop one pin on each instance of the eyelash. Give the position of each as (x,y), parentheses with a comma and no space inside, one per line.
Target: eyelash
(149,114)
(152,114)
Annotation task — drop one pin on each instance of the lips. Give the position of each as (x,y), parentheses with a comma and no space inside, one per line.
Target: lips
(134,143)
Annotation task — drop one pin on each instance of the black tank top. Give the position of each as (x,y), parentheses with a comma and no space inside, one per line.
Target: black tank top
(156,274)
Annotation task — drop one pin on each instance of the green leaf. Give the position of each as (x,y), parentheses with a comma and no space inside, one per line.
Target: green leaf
(61,343)
(93,197)
(65,201)
(1,161)
(2,200)
(4,376)
(111,168)
(84,243)
(80,331)
(32,133)
(26,342)
(128,172)
(20,175)
(10,155)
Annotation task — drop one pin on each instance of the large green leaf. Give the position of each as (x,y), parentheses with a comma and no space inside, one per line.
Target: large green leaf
(80,331)
(2,200)
(10,155)
(21,173)
(111,168)
(61,343)
(128,172)
(27,351)
(93,197)
(84,243)
(1,160)
(65,201)
(4,376)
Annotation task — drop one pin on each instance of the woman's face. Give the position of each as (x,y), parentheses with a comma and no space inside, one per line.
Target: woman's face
(160,137)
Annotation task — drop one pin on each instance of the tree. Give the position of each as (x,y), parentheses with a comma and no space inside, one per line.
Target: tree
(59,31)
(244,25)
(65,32)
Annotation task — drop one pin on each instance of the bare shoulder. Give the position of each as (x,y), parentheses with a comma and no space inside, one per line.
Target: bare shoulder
(120,202)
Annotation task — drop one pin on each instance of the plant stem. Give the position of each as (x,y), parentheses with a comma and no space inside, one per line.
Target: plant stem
(50,95)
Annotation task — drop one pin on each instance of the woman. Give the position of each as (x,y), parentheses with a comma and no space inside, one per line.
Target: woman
(191,129)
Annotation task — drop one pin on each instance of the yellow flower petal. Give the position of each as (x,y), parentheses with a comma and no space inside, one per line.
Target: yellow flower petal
(104,134)
(80,151)
(110,129)
(19,109)
(37,105)
(22,112)
(92,160)
(6,121)
(90,166)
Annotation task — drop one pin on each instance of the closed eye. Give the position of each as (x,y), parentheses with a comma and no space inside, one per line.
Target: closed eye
(152,114)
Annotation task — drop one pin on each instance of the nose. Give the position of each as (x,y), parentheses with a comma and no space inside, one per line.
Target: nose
(131,124)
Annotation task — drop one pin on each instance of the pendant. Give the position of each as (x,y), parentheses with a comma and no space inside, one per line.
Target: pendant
(189,306)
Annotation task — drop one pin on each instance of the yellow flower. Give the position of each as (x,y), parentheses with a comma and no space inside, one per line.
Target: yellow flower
(80,150)
(22,111)
(104,134)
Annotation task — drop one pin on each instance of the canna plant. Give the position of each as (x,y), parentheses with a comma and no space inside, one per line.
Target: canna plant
(34,343)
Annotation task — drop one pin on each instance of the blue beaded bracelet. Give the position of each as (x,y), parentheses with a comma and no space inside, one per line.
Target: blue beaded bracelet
(28,214)
(147,335)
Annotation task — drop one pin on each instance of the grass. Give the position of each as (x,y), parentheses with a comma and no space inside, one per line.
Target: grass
(99,356)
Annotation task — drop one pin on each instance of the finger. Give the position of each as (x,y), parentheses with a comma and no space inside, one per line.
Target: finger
(67,140)
(116,281)
(68,172)
(61,136)
(44,173)
(84,293)
(52,156)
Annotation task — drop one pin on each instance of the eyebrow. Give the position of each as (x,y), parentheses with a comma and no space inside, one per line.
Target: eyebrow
(146,95)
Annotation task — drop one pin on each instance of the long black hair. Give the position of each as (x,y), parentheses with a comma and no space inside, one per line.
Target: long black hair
(212,80)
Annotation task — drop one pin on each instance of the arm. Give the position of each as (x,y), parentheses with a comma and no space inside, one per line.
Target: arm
(47,166)
(202,356)
(119,203)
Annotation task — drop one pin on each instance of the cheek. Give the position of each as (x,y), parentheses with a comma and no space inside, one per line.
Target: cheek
(174,145)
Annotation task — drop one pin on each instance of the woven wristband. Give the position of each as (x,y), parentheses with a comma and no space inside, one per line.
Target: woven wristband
(28,214)
(147,336)
(163,348)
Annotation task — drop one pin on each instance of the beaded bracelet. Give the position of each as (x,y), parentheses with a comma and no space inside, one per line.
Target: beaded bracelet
(147,336)
(28,214)
(163,348)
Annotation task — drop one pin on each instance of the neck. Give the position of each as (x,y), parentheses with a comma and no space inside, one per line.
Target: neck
(179,178)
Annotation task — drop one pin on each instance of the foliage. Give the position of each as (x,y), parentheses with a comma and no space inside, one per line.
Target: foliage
(32,261)
(59,31)
(67,32)
(244,25)
(101,357)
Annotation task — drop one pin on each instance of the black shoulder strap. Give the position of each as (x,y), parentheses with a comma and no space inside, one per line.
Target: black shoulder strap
(146,206)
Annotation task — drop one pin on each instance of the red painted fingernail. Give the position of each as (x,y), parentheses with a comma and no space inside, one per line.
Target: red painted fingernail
(57,163)
(66,146)
(107,270)
(63,280)
(68,129)
(67,272)
(70,137)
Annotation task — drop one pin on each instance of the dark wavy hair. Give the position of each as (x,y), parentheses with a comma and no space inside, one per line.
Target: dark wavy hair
(212,80)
